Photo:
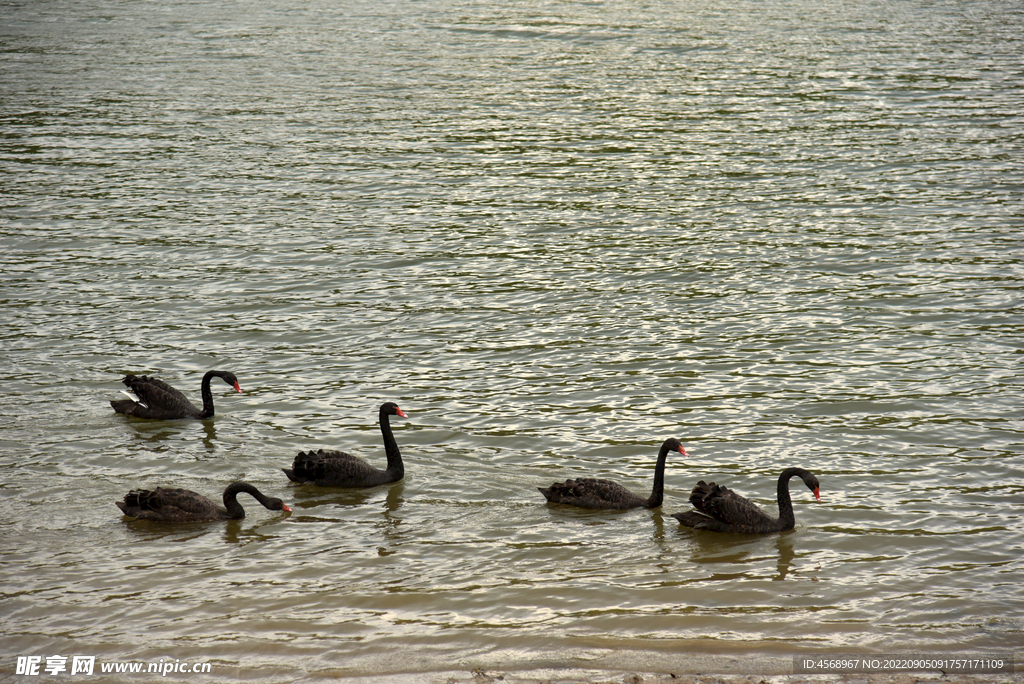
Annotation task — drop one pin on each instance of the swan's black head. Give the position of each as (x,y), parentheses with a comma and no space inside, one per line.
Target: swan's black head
(391,409)
(673,444)
(228,377)
(812,483)
(277,505)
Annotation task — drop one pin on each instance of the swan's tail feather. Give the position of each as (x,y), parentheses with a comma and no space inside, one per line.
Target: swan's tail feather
(691,519)
(122,406)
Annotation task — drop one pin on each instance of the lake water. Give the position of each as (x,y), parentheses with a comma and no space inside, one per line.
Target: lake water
(786,232)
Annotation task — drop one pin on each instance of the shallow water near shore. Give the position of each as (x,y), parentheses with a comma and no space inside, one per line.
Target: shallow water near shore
(555,234)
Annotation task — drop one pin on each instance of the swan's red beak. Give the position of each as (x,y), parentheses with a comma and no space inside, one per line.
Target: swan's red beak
(237,388)
(284,507)
(683,451)
(400,412)
(816,494)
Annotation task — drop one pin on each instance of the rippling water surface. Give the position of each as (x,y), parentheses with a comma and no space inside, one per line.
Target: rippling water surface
(788,233)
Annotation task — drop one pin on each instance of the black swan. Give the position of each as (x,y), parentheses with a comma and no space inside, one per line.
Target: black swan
(157,399)
(723,510)
(590,493)
(338,469)
(183,505)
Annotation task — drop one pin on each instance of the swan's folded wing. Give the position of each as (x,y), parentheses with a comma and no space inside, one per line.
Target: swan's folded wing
(581,487)
(333,455)
(182,500)
(591,493)
(725,505)
(702,491)
(332,466)
(148,500)
(157,382)
(155,393)
(157,504)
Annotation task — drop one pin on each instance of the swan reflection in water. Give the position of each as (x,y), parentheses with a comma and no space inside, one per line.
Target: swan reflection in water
(389,523)
(746,557)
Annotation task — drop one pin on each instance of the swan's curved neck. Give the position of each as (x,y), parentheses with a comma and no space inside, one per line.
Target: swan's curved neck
(786,515)
(658,492)
(208,395)
(234,508)
(391,446)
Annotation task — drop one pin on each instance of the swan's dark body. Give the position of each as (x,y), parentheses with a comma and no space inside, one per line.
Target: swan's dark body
(182,505)
(723,510)
(340,469)
(594,493)
(160,401)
